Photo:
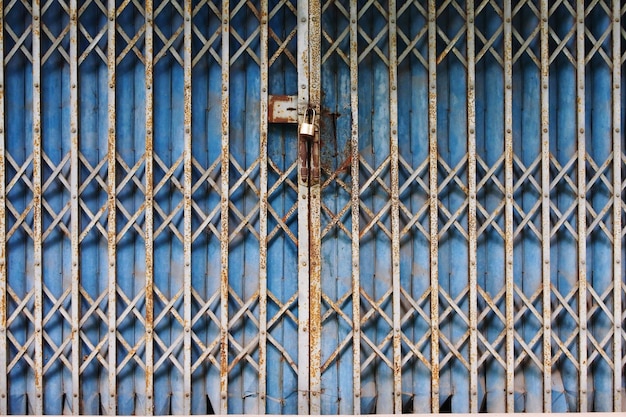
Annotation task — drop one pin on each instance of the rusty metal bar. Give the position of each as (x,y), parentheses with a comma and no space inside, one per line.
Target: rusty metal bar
(263,194)
(395,210)
(149,211)
(471,180)
(111,217)
(37,215)
(508,209)
(224,238)
(434,201)
(4,410)
(545,209)
(74,214)
(355,212)
(315,243)
(303,215)
(188,184)
(617,209)
(582,205)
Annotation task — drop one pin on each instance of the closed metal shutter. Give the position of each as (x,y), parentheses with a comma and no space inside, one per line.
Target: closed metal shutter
(173,241)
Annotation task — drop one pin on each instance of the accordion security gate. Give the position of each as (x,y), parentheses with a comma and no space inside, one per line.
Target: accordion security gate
(450,240)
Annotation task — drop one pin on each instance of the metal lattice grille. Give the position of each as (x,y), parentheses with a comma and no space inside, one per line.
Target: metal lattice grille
(168,247)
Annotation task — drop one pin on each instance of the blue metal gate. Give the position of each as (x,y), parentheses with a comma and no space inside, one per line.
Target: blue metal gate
(450,238)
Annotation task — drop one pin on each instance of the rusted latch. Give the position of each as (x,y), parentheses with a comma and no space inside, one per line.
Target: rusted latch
(309,148)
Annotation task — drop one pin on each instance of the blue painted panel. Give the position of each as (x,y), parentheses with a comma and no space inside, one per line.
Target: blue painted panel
(282,223)
(527,234)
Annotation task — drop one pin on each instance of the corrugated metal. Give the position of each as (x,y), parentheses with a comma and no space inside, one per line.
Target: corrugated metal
(449,240)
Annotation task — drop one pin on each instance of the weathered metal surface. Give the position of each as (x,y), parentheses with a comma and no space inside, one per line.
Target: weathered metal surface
(546,231)
(471,222)
(263,203)
(304,308)
(616,108)
(187,203)
(282,109)
(74,211)
(4,409)
(395,210)
(392,269)
(355,210)
(3,247)
(582,204)
(38,401)
(314,221)
(148,227)
(224,206)
(111,190)
(433,205)
(508,184)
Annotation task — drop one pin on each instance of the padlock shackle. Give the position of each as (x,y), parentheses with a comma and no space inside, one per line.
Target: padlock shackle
(310,111)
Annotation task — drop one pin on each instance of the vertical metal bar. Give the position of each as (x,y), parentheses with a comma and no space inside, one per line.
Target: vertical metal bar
(303,217)
(395,210)
(187,208)
(582,206)
(37,215)
(434,211)
(149,211)
(508,210)
(355,197)
(4,410)
(315,242)
(74,215)
(264,70)
(617,210)
(471,180)
(224,210)
(545,209)
(111,220)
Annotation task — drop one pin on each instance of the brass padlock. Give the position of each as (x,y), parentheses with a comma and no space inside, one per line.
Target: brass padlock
(308,126)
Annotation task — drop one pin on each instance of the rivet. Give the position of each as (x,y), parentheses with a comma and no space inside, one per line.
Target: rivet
(304,263)
(508,131)
(303,86)
(224,88)
(225,21)
(433,130)
(73,130)
(617,129)
(471,131)
(545,130)
(353,20)
(303,20)
(582,130)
